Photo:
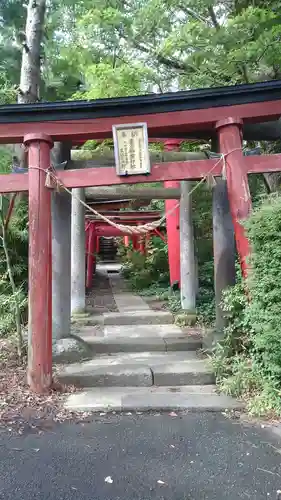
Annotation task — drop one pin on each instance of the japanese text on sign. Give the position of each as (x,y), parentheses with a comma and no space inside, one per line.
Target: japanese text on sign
(131,149)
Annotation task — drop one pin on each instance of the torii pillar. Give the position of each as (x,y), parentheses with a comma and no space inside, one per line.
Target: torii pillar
(173,221)
(78,261)
(39,373)
(230,142)
(61,243)
(223,245)
(91,259)
(126,240)
(187,251)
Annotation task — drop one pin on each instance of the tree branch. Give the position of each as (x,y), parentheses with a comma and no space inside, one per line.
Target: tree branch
(213,18)
(170,63)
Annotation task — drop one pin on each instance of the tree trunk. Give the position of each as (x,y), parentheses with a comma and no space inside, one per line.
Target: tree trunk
(30,77)
(272,181)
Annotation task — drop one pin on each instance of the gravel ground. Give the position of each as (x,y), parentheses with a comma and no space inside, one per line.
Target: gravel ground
(100,298)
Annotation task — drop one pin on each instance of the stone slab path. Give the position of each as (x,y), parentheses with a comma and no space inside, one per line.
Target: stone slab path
(140,359)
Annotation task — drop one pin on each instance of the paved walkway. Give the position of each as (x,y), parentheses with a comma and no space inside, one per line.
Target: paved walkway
(140,360)
(142,457)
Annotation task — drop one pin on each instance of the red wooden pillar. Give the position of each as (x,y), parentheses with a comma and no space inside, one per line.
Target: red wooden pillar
(230,144)
(135,240)
(87,229)
(90,256)
(173,221)
(126,240)
(97,244)
(39,374)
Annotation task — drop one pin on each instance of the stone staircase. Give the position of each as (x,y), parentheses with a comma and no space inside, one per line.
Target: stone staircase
(107,249)
(140,360)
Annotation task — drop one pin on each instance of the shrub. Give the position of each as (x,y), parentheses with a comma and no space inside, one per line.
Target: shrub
(17,240)
(248,360)
(144,271)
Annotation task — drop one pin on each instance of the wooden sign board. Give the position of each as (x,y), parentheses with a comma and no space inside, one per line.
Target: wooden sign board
(131,149)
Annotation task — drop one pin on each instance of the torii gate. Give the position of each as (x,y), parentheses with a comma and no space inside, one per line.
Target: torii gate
(224,113)
(95,228)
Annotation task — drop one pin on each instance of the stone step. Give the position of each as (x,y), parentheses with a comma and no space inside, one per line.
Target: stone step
(139,369)
(141,331)
(141,317)
(191,398)
(146,337)
(131,318)
(128,303)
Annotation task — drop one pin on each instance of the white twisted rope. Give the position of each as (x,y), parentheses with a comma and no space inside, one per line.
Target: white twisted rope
(52,181)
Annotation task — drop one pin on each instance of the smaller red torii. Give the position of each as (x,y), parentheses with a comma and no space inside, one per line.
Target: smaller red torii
(95,228)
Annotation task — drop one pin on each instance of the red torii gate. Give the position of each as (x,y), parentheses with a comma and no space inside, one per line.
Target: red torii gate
(95,228)
(223,112)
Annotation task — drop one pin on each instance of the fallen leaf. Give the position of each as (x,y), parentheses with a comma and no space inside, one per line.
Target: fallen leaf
(108,480)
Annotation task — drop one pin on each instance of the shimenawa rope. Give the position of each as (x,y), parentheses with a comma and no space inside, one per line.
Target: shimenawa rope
(52,181)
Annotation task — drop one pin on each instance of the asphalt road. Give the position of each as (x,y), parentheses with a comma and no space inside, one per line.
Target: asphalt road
(196,456)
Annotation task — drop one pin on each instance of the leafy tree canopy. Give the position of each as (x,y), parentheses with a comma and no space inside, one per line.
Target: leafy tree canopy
(113,47)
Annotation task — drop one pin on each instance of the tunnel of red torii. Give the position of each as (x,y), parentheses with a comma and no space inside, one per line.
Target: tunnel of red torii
(57,220)
(96,228)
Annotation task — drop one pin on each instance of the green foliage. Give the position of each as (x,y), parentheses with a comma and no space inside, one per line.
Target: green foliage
(248,361)
(149,275)
(114,48)
(205,301)
(17,240)
(144,271)
(191,44)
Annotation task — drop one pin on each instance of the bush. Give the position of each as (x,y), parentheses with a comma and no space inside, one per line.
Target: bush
(144,271)
(248,361)
(17,240)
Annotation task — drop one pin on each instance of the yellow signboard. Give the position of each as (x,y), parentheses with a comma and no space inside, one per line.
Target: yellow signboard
(131,149)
